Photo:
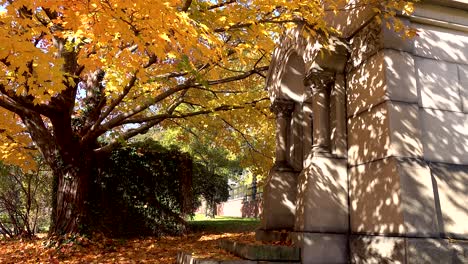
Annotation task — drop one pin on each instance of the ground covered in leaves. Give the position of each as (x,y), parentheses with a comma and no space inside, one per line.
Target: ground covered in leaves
(99,249)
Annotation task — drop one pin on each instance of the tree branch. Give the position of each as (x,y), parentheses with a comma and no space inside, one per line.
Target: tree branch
(186,6)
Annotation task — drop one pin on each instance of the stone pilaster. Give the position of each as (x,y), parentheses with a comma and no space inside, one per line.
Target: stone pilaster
(280,190)
(283,110)
(320,83)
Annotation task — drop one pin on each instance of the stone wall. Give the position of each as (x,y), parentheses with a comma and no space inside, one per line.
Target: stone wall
(408,126)
(385,175)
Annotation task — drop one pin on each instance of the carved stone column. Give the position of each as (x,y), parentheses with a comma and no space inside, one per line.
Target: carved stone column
(283,110)
(320,84)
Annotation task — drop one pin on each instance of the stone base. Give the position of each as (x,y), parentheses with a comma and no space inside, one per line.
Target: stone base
(379,249)
(271,235)
(322,200)
(272,253)
(279,197)
(321,247)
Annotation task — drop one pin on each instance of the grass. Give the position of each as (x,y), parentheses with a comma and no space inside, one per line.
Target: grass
(223,224)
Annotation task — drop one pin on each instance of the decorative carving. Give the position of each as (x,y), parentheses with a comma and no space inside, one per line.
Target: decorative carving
(364,44)
(319,80)
(282,108)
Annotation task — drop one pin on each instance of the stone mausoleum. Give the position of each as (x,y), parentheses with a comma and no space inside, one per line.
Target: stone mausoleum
(372,140)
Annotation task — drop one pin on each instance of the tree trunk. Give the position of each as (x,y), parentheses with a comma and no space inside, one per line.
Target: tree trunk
(70,208)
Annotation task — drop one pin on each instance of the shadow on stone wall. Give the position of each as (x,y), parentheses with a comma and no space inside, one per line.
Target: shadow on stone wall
(407,126)
(408,150)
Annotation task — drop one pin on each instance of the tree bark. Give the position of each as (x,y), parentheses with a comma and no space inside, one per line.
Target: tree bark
(71,207)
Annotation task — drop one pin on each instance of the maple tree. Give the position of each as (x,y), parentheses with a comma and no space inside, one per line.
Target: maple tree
(77,71)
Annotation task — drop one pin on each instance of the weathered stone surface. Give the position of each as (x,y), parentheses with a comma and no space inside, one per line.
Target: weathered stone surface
(441,44)
(184,258)
(321,247)
(292,84)
(405,130)
(377,250)
(463,74)
(388,129)
(417,198)
(271,235)
(366,85)
(296,148)
(444,136)
(368,135)
(438,84)
(261,252)
(440,13)
(322,203)
(380,78)
(373,38)
(451,189)
(375,198)
(338,118)
(392,197)
(428,251)
(279,197)
(307,139)
(351,20)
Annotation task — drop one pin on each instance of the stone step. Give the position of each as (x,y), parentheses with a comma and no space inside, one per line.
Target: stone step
(187,258)
(254,252)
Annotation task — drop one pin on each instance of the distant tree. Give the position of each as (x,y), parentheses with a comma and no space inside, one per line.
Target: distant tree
(24,200)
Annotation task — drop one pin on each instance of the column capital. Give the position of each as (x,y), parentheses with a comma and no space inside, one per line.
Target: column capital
(282,107)
(319,80)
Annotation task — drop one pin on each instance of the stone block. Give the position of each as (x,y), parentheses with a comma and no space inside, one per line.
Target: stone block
(417,198)
(392,197)
(400,76)
(441,44)
(279,197)
(463,74)
(322,203)
(451,189)
(375,204)
(440,13)
(366,85)
(243,261)
(374,37)
(405,130)
(322,247)
(349,20)
(184,258)
(428,251)
(388,75)
(377,250)
(388,129)
(444,136)
(271,235)
(292,81)
(261,252)
(438,85)
(368,135)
